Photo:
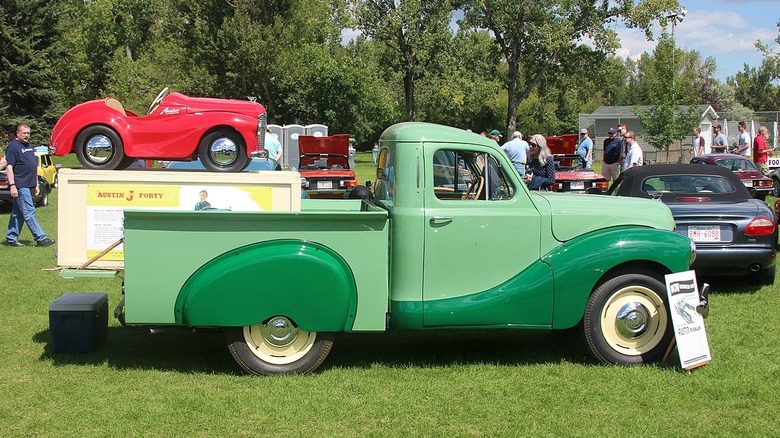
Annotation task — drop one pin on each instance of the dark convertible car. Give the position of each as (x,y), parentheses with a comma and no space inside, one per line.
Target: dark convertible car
(735,234)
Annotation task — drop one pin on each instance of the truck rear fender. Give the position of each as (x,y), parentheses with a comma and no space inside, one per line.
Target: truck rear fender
(305,281)
(578,270)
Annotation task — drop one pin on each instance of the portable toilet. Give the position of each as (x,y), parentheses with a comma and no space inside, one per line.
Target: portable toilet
(292,155)
(317,130)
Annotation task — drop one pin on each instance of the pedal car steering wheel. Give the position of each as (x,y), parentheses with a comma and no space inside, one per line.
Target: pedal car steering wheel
(157,100)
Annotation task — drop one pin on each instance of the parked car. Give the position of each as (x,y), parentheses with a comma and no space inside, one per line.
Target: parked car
(47,179)
(104,135)
(775,177)
(745,169)
(734,233)
(324,163)
(571,176)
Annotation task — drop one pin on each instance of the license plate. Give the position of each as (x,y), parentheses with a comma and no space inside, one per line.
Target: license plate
(704,233)
(748,183)
(577,185)
(321,185)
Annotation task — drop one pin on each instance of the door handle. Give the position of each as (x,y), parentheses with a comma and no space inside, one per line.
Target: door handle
(440,219)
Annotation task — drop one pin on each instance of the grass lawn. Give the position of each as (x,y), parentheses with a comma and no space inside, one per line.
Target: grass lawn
(442,384)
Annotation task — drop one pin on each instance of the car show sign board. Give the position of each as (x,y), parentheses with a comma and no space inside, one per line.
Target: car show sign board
(689,332)
(92,203)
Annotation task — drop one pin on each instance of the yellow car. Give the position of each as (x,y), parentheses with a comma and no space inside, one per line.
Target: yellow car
(46,168)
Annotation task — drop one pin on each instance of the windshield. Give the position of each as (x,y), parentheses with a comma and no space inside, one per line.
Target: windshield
(737,164)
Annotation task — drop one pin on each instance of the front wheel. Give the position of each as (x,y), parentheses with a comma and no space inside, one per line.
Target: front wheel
(277,346)
(223,151)
(776,187)
(43,188)
(100,148)
(627,320)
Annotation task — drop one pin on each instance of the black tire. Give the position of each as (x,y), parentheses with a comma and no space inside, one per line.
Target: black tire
(764,277)
(99,147)
(627,320)
(277,347)
(776,187)
(44,190)
(223,151)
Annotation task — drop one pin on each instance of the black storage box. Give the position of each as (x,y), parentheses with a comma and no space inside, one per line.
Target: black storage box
(78,322)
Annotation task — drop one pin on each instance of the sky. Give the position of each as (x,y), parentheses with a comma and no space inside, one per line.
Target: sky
(725,30)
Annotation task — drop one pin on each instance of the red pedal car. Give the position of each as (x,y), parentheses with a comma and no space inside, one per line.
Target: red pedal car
(223,133)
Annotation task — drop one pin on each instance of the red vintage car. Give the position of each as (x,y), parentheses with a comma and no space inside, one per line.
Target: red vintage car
(223,133)
(324,164)
(570,176)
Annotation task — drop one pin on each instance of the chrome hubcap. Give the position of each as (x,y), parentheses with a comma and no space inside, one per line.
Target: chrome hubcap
(631,320)
(99,149)
(279,332)
(223,151)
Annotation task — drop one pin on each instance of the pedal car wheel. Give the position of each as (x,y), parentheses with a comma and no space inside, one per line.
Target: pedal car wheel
(100,148)
(223,151)
(627,320)
(277,346)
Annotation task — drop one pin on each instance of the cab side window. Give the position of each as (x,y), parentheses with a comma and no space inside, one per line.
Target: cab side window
(469,175)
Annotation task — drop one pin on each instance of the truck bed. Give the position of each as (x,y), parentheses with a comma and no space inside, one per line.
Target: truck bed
(164,249)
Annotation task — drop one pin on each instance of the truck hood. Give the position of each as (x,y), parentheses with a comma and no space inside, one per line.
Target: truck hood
(576,214)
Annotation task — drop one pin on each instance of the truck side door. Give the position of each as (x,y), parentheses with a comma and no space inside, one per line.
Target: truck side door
(482,242)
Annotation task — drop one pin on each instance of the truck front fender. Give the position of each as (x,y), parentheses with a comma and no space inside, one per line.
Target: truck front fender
(304,281)
(580,264)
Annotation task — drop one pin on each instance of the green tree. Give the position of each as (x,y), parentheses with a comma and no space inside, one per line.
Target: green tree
(415,31)
(539,39)
(665,122)
(29,85)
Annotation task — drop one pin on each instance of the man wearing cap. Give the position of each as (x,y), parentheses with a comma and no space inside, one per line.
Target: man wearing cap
(496,135)
(586,149)
(612,147)
(517,151)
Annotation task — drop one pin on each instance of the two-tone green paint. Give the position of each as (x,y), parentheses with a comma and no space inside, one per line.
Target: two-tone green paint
(530,260)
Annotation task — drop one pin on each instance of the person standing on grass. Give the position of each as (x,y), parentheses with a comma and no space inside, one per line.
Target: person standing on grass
(22,172)
(698,142)
(761,151)
(611,167)
(743,142)
(585,150)
(634,156)
(720,143)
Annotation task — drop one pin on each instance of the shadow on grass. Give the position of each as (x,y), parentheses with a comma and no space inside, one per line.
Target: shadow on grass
(729,284)
(180,350)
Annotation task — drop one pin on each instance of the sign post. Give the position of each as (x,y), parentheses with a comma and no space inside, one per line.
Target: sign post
(688,323)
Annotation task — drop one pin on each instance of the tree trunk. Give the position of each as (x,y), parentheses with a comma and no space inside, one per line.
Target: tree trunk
(409,95)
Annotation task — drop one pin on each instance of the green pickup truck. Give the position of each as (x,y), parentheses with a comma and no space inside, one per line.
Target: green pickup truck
(452,240)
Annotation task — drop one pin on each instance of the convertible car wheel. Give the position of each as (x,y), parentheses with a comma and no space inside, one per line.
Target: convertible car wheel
(223,151)
(277,346)
(100,148)
(44,191)
(627,320)
(775,187)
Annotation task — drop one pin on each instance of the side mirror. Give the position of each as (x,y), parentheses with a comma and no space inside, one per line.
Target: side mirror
(704,305)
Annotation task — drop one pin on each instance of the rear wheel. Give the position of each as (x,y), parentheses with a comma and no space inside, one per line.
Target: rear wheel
(100,148)
(223,151)
(43,197)
(627,320)
(775,187)
(277,346)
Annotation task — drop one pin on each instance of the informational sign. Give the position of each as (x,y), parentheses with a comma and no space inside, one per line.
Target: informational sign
(689,332)
(106,204)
